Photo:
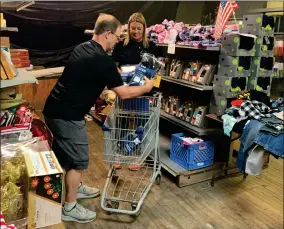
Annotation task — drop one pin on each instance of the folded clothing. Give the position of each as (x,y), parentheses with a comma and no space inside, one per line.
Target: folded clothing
(272,125)
(190,141)
(279,115)
(254,109)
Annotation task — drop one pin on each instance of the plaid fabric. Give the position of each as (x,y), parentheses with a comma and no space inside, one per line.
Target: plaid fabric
(254,109)
(3,224)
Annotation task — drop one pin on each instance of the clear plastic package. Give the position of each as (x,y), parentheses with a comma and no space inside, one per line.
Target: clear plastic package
(149,66)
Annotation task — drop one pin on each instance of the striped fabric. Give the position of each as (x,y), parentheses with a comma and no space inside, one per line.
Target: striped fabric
(225,11)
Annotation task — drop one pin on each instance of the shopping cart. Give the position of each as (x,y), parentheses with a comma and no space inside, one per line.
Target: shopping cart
(131,137)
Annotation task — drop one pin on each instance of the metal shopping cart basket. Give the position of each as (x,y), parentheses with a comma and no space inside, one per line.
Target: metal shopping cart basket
(131,137)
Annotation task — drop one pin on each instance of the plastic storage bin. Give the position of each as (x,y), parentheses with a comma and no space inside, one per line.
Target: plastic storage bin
(191,157)
(141,105)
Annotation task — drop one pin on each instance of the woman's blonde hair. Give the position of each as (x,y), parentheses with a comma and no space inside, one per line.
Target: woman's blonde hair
(137,17)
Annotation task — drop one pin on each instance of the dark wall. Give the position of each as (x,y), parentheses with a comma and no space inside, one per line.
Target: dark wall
(51,30)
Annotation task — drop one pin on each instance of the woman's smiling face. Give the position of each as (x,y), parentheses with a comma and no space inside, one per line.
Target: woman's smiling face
(136,31)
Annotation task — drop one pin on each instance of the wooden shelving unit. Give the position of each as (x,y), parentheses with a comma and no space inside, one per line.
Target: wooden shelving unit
(10,29)
(23,77)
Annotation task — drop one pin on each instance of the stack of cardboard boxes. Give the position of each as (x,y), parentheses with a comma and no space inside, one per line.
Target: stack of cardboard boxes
(245,63)
(233,70)
(262,26)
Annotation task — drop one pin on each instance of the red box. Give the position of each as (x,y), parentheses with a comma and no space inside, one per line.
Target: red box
(19,52)
(21,58)
(21,64)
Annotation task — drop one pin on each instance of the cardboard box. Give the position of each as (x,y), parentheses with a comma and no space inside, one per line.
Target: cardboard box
(219,104)
(45,189)
(3,73)
(265,46)
(257,24)
(7,65)
(5,44)
(2,20)
(20,58)
(19,52)
(262,66)
(234,66)
(236,44)
(229,87)
(262,84)
(18,63)
(5,41)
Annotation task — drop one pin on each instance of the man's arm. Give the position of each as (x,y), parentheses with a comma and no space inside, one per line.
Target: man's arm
(118,69)
(127,92)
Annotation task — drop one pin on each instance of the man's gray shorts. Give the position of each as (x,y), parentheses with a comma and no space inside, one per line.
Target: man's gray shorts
(70,143)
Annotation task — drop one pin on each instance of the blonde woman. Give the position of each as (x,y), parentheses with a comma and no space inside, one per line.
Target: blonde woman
(128,51)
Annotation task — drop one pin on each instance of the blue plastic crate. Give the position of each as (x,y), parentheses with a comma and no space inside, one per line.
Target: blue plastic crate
(193,156)
(136,105)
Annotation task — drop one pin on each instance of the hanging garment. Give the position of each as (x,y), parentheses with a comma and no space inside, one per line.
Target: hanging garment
(247,142)
(272,144)
(228,123)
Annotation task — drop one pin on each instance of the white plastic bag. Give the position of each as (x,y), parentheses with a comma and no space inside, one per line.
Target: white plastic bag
(255,161)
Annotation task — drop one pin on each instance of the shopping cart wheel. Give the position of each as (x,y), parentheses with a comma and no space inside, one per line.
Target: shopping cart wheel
(115,204)
(134,206)
(158,179)
(112,205)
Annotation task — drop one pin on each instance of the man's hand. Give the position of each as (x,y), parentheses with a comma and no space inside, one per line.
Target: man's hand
(149,84)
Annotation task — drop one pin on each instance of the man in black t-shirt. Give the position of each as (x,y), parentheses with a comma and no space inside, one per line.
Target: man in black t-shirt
(88,71)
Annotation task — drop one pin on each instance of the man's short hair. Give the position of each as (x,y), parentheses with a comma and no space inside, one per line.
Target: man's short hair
(106,22)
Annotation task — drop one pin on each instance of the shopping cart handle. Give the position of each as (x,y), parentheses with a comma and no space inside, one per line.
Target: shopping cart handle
(105,128)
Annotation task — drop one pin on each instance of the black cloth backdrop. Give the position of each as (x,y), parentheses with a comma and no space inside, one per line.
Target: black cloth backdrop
(51,30)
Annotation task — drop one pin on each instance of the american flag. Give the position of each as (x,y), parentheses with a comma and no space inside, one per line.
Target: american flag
(225,11)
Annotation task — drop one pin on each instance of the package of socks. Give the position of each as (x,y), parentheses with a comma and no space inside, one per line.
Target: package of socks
(190,71)
(198,117)
(205,74)
(149,66)
(229,87)
(234,66)
(237,44)
(176,70)
(262,66)
(258,24)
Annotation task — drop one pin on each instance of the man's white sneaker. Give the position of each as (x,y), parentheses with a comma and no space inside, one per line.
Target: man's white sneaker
(78,214)
(86,192)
